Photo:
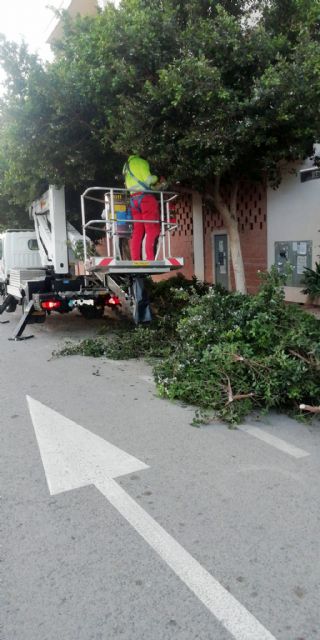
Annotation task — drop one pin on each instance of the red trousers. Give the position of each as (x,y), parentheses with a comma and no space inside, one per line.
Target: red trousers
(149,210)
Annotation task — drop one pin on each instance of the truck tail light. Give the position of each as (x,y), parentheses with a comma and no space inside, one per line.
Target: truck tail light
(113,301)
(48,305)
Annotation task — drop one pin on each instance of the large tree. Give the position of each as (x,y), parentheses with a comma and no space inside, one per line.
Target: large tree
(211,92)
(239,100)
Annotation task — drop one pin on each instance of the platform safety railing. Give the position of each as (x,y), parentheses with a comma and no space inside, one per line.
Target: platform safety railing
(110,224)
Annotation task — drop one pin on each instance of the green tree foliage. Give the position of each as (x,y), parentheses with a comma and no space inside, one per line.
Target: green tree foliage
(311,281)
(211,92)
(238,100)
(13,216)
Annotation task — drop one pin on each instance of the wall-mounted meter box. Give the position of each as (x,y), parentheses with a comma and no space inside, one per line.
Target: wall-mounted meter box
(298,254)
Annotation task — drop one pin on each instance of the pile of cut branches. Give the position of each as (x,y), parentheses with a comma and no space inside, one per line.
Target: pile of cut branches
(237,353)
(226,353)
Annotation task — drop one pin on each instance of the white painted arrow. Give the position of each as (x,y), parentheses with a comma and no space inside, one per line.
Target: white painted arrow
(74,457)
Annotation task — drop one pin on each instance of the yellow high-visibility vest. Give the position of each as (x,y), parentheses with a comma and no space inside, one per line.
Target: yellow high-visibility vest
(137,175)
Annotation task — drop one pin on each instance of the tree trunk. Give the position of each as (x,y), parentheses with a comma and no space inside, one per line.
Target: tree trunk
(229,216)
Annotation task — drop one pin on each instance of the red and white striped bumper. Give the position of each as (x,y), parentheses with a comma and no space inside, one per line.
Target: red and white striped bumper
(112,265)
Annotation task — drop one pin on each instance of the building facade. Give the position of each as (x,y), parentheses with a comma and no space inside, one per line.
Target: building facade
(74,8)
(277,226)
(294,224)
(202,238)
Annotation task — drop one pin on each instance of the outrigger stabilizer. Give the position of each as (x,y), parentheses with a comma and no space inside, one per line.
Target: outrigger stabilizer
(29,316)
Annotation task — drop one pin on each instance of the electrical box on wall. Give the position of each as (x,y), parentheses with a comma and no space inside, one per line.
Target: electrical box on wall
(298,254)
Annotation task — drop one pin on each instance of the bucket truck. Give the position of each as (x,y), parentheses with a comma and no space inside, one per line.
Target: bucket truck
(38,269)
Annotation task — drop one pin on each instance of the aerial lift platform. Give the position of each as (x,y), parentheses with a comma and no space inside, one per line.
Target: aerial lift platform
(117,227)
(120,274)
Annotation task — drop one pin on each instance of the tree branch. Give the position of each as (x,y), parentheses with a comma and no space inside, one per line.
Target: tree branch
(238,396)
(310,362)
(309,408)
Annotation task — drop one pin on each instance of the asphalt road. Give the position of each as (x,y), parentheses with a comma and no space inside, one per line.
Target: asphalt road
(245,509)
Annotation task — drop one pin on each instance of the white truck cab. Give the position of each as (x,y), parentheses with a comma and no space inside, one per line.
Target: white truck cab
(18,250)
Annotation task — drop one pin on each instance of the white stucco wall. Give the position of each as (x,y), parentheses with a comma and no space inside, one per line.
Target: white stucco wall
(293,215)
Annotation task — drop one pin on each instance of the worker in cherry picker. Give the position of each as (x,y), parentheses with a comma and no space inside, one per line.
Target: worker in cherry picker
(144,206)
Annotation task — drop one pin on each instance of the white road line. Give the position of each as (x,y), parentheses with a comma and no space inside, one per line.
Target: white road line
(282,445)
(226,609)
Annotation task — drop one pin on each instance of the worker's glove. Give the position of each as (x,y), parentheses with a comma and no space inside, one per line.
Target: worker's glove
(162,184)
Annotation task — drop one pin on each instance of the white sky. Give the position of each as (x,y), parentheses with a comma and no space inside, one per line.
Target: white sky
(29,20)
